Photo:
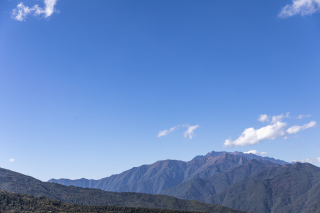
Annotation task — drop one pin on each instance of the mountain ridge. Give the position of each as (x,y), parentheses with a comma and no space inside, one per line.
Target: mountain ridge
(161,175)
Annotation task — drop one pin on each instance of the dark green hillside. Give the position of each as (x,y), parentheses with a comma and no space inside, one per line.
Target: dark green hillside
(18,183)
(283,189)
(14,202)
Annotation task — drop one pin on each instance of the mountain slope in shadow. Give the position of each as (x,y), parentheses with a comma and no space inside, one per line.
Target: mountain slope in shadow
(288,188)
(17,183)
(203,188)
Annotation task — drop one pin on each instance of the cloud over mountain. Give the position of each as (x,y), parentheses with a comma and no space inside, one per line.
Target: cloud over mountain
(308,160)
(255,152)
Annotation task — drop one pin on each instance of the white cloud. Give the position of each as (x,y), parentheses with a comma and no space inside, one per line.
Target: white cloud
(189,131)
(255,152)
(11,160)
(276,129)
(308,160)
(303,116)
(303,7)
(252,136)
(165,132)
(295,129)
(49,9)
(21,12)
(263,118)
(276,118)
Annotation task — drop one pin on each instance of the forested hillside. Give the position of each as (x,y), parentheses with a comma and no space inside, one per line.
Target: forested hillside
(18,183)
(14,202)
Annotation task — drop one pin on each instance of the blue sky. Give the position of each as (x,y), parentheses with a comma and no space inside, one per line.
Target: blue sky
(90,89)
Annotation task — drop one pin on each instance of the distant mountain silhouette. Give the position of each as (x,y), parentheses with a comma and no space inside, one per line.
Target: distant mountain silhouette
(18,183)
(280,189)
(155,178)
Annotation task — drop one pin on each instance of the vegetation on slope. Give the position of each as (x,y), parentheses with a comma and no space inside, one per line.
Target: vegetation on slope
(18,183)
(201,189)
(14,202)
(289,188)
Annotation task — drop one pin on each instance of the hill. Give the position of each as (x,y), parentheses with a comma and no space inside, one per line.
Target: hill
(15,182)
(14,202)
(288,188)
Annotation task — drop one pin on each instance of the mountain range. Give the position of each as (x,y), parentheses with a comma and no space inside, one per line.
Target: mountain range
(216,182)
(237,180)
(155,178)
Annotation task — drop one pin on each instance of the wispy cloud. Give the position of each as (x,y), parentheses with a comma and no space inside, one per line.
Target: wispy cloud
(189,133)
(302,7)
(21,12)
(255,152)
(295,129)
(303,116)
(11,160)
(167,131)
(275,129)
